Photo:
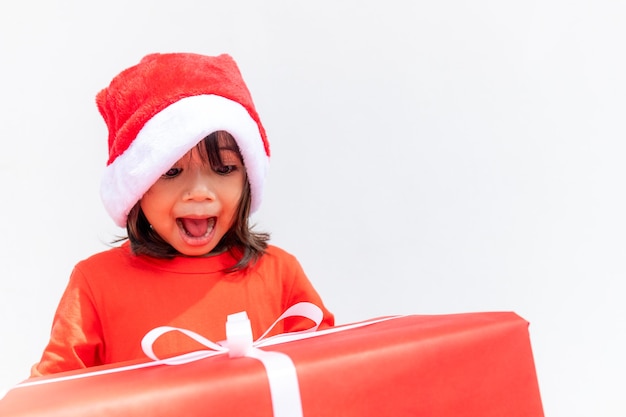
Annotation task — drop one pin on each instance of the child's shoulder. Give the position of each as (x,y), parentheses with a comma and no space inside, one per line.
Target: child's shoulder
(279,258)
(109,256)
(278,252)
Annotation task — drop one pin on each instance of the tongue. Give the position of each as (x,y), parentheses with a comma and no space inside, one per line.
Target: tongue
(196,227)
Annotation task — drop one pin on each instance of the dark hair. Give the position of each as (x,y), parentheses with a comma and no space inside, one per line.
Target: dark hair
(243,243)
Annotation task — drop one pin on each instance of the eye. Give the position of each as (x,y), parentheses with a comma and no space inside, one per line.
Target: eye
(172,172)
(225,169)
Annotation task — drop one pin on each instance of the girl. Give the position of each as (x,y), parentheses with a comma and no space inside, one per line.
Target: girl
(187,162)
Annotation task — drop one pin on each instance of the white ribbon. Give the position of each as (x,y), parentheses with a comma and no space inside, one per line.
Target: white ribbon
(238,335)
(280,369)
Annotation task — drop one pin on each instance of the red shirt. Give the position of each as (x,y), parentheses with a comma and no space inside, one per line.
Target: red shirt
(114,298)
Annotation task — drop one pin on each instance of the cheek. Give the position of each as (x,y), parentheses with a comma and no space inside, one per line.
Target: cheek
(233,189)
(231,201)
(232,197)
(146,201)
(160,190)
(152,204)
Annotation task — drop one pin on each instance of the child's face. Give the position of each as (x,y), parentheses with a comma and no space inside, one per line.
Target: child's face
(193,205)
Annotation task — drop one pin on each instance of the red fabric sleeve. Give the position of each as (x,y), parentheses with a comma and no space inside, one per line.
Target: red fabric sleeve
(302,290)
(76,337)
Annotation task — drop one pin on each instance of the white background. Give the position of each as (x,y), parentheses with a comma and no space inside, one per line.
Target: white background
(428,158)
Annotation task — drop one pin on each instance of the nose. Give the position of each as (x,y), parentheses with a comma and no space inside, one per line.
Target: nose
(198,187)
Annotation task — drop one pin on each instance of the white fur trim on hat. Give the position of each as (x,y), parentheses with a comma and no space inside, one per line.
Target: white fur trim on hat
(168,136)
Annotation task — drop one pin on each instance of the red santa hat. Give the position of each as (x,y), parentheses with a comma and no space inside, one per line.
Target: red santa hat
(159,109)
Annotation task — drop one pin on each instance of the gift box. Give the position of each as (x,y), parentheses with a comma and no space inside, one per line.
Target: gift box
(471,364)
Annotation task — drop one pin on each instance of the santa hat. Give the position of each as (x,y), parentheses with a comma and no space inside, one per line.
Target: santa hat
(159,109)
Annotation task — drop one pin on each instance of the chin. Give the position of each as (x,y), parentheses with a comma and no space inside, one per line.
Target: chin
(197,254)
(195,251)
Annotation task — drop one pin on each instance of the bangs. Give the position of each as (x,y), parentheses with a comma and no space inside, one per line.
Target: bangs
(211,148)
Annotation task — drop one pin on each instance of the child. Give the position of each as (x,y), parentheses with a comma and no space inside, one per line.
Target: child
(187,161)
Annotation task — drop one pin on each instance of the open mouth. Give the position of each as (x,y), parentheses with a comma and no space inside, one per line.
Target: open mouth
(196,228)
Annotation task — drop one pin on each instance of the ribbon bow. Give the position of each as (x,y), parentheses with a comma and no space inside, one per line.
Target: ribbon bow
(281,371)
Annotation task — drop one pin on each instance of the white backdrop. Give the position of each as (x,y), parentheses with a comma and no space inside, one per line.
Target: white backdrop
(428,158)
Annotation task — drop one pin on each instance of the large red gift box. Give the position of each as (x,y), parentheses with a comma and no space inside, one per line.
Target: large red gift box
(472,364)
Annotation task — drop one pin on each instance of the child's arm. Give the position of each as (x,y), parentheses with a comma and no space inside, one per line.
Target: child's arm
(76,337)
(302,290)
